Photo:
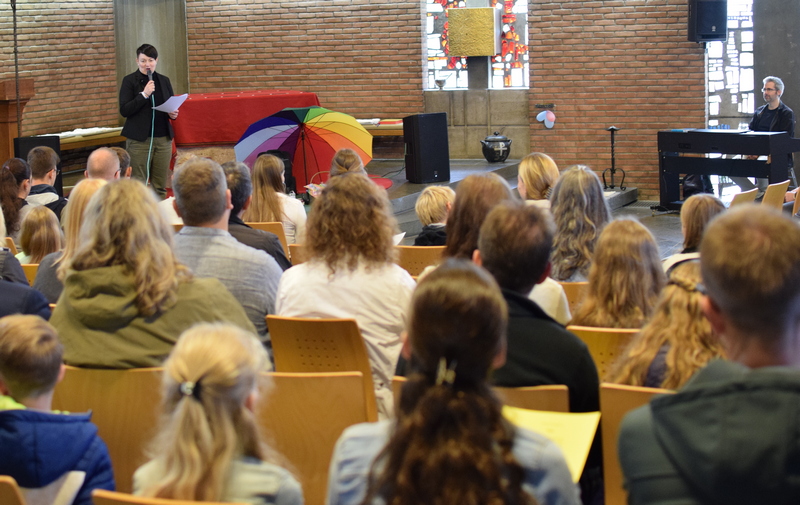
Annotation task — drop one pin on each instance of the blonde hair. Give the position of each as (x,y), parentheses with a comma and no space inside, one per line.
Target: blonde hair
(30,356)
(696,212)
(72,217)
(580,212)
(539,174)
(679,323)
(625,279)
(352,223)
(266,205)
(205,424)
(40,234)
(345,161)
(431,206)
(123,227)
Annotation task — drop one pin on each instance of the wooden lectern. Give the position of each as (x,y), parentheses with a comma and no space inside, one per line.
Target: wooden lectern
(8,113)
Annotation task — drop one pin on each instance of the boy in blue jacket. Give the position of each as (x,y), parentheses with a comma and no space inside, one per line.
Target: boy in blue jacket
(38,446)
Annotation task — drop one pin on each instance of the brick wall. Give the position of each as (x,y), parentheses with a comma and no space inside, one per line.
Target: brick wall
(67,47)
(621,62)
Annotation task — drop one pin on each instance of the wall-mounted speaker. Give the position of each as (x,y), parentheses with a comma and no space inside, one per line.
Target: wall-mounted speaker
(427,152)
(708,20)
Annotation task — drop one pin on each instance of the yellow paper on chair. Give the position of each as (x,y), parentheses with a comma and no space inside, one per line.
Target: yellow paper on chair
(571,432)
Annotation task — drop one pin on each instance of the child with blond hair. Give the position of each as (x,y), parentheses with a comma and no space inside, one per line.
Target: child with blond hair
(432,208)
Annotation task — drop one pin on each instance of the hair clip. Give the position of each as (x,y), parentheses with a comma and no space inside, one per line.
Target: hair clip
(446,374)
(188,389)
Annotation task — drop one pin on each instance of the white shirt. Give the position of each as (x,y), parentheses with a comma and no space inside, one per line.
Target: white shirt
(294,219)
(550,296)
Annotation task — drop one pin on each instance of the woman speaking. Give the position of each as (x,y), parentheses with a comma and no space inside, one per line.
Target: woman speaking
(148,131)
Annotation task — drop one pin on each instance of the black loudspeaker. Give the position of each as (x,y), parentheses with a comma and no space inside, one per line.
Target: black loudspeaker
(23,145)
(427,155)
(708,20)
(289,181)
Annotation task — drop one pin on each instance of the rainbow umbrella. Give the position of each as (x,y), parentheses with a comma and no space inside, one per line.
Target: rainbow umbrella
(310,135)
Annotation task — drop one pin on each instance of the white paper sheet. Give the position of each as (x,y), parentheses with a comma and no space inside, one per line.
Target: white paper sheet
(173,103)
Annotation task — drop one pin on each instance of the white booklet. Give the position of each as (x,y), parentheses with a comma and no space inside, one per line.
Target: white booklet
(173,103)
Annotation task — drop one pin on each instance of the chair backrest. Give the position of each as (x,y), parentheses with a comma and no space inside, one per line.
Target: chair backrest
(177,227)
(11,245)
(125,406)
(304,415)
(298,253)
(617,400)
(310,345)
(605,344)
(103,497)
(10,493)
(744,197)
(276,228)
(30,270)
(575,292)
(414,259)
(796,206)
(554,398)
(775,194)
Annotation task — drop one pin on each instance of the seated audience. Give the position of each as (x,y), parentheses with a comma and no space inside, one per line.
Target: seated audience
(39,235)
(351,273)
(270,203)
(696,212)
(514,246)
(676,342)
(241,187)
(432,208)
(730,434)
(625,279)
(103,163)
(38,445)
(124,161)
(15,185)
(208,447)
(10,269)
(126,297)
(580,212)
(44,161)
(537,176)
(450,443)
(16,298)
(203,201)
(347,161)
(50,275)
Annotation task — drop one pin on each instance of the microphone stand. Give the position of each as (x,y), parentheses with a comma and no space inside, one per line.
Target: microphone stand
(613,129)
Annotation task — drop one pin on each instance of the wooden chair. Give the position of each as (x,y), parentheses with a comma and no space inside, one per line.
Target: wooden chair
(30,270)
(11,246)
(775,193)
(276,228)
(298,253)
(617,400)
(575,292)
(744,197)
(304,415)
(796,206)
(178,227)
(310,345)
(103,497)
(605,344)
(125,407)
(414,259)
(10,494)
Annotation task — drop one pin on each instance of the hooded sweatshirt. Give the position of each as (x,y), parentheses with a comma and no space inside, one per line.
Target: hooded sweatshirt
(731,436)
(37,447)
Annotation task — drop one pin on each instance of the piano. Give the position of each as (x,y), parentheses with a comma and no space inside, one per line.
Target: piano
(686,152)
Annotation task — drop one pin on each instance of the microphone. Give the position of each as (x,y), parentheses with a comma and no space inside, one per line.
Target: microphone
(149,75)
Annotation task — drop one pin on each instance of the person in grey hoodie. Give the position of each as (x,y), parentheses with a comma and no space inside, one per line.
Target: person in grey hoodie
(730,435)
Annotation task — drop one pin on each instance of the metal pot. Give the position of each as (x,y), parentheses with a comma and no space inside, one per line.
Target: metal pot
(496,148)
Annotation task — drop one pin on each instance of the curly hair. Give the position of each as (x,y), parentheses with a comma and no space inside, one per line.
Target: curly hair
(538,174)
(679,323)
(40,234)
(450,443)
(123,226)
(266,206)
(580,212)
(476,195)
(625,279)
(696,212)
(352,224)
(14,172)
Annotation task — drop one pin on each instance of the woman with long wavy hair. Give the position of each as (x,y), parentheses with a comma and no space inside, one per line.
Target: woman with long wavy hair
(15,185)
(208,446)
(580,212)
(697,211)
(625,279)
(450,443)
(270,203)
(676,342)
(351,273)
(126,298)
(538,174)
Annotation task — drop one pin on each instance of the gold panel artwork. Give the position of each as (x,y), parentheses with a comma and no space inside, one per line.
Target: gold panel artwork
(474,31)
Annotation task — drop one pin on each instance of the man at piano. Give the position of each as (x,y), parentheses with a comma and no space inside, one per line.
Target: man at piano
(774,116)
